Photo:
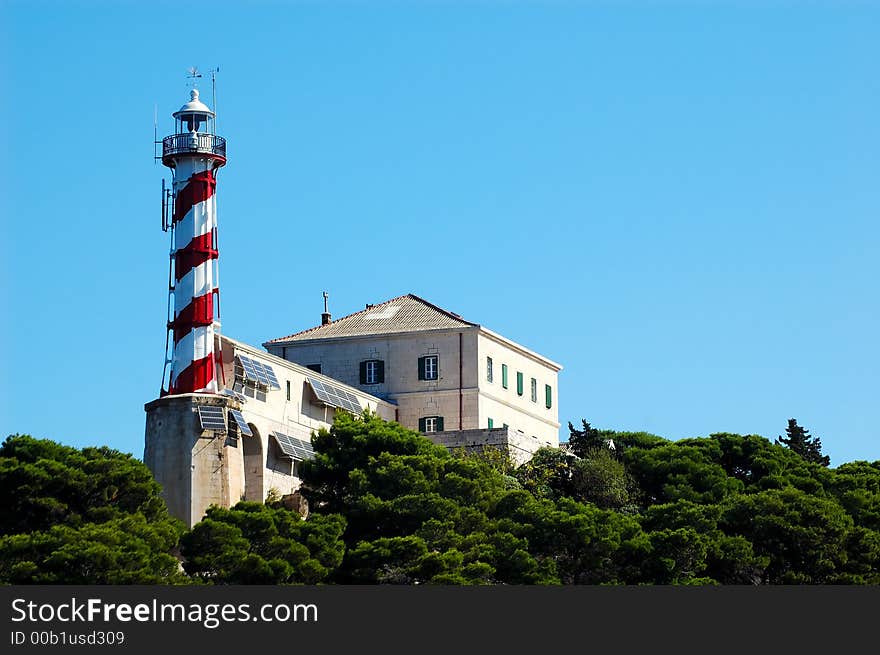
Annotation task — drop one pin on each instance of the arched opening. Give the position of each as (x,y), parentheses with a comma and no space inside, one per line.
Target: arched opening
(252,449)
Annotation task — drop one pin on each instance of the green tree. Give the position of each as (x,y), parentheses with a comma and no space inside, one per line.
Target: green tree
(253,543)
(856,486)
(799,440)
(688,469)
(760,464)
(548,474)
(123,550)
(89,516)
(582,441)
(806,539)
(687,545)
(417,514)
(600,478)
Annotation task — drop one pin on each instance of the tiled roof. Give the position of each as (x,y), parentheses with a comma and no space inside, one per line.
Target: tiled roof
(407,313)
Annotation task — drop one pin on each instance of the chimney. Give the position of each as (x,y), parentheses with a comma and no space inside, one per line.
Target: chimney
(325,317)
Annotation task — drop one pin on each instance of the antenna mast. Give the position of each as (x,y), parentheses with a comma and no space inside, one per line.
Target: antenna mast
(155,131)
(213,73)
(194,73)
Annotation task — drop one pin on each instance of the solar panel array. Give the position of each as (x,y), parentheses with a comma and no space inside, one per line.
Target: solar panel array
(335,396)
(243,427)
(293,447)
(212,418)
(259,372)
(234,394)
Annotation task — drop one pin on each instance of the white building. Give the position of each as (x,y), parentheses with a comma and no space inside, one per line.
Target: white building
(442,372)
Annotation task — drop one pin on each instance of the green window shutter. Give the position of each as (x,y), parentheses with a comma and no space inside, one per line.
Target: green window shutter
(439,424)
(519,383)
(421,425)
(491,424)
(548,396)
(363,372)
(380,371)
(421,368)
(504,375)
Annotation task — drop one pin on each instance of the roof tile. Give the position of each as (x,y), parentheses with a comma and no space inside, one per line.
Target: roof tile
(407,313)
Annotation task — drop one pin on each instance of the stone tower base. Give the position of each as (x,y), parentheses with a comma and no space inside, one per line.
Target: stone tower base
(195,467)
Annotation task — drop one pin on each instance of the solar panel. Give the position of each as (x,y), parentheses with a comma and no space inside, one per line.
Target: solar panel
(211,418)
(354,404)
(234,394)
(249,371)
(293,447)
(270,376)
(241,423)
(259,372)
(335,396)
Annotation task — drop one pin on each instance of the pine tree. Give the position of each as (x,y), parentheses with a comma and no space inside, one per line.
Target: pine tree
(800,441)
(582,441)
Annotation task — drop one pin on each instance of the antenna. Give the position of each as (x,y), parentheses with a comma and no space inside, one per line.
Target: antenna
(213,73)
(155,131)
(166,194)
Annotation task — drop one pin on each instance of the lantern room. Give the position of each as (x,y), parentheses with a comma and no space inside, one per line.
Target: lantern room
(193,134)
(194,116)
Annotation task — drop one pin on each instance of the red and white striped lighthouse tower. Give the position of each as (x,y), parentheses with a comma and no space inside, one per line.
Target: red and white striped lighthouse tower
(194,153)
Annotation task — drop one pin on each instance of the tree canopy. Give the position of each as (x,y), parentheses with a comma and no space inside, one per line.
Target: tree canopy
(82,516)
(387,506)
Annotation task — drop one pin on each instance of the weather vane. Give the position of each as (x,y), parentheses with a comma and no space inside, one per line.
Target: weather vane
(193,73)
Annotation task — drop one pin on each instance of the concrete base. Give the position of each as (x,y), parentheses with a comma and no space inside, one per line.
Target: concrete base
(196,468)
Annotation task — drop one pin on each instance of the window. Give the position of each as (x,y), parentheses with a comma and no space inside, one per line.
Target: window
(314,367)
(519,383)
(504,375)
(249,389)
(534,390)
(548,396)
(288,390)
(373,371)
(429,367)
(491,424)
(488,369)
(431,424)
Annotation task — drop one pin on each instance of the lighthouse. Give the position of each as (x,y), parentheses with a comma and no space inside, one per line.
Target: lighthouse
(191,442)
(194,153)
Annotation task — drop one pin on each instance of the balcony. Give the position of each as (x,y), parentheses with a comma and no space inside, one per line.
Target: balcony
(200,143)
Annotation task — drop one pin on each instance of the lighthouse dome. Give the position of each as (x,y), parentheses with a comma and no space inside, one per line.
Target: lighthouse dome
(194,106)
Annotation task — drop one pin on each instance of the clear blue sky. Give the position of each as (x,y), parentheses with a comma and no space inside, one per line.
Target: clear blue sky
(677,201)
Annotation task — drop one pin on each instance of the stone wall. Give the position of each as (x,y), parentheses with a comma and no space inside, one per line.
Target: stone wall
(196,468)
(519,446)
